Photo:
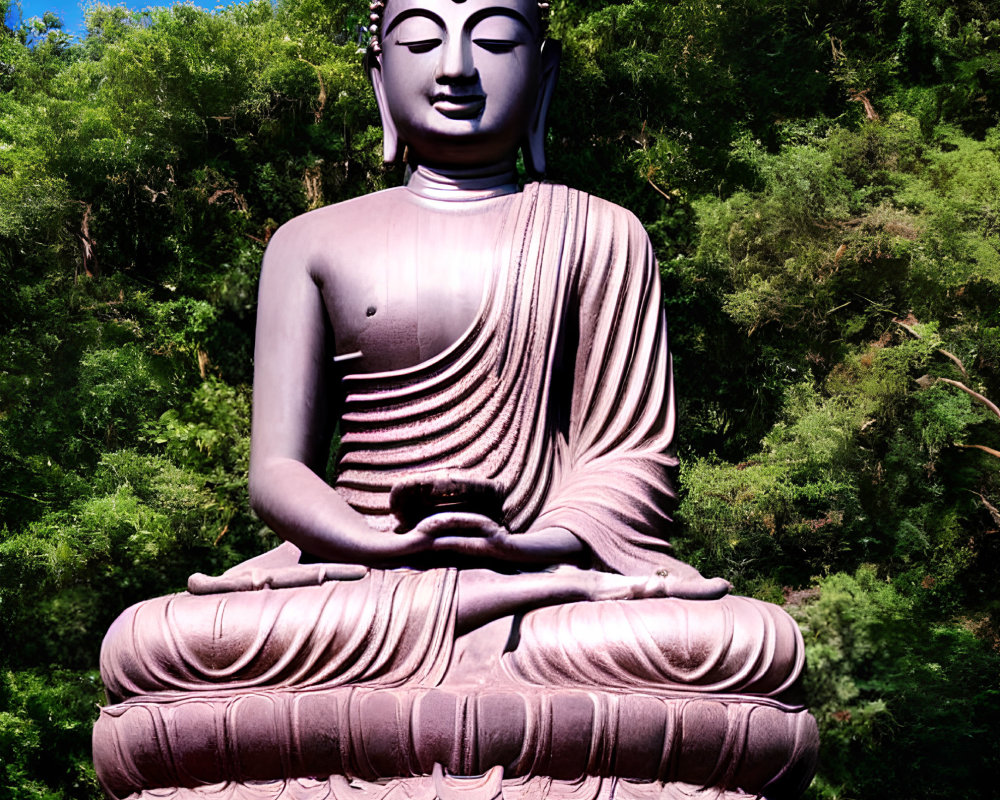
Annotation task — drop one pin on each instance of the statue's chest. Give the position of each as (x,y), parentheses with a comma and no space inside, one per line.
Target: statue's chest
(413,295)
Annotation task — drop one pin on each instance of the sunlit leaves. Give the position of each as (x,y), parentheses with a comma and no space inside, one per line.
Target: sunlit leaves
(823,271)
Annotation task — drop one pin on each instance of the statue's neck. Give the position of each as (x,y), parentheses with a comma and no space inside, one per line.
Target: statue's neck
(478,183)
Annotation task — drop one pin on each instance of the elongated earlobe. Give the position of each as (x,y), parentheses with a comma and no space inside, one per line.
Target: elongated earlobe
(391,149)
(534,142)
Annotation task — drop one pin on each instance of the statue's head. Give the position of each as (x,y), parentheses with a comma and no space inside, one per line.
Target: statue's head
(462,83)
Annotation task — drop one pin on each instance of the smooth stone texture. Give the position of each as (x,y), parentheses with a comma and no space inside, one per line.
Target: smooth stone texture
(483,604)
(373,734)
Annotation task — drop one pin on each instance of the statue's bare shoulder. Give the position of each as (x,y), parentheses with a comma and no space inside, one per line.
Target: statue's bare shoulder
(331,239)
(358,265)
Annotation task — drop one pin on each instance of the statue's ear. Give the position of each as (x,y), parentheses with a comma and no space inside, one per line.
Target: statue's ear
(534,143)
(391,150)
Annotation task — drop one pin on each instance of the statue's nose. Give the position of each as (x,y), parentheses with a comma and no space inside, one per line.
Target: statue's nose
(456,64)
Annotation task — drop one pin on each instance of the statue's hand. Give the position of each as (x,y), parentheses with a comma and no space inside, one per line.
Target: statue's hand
(698,588)
(684,581)
(478,535)
(454,527)
(464,532)
(611,586)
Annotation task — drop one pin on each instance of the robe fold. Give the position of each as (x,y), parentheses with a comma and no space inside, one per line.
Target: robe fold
(560,392)
(390,628)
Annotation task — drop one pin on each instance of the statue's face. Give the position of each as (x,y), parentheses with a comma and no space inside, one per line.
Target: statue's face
(461,78)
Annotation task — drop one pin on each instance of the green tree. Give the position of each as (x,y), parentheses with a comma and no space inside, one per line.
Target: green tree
(820,181)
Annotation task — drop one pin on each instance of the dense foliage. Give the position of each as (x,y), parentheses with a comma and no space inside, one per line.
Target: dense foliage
(822,183)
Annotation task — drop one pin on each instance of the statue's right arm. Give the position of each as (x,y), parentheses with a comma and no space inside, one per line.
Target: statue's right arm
(291,418)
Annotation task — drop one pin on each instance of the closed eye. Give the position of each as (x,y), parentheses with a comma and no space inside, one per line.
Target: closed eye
(420,45)
(496,45)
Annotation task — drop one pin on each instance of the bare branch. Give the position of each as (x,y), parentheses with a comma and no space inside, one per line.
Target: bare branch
(954,359)
(975,395)
(991,508)
(318,114)
(957,361)
(862,97)
(666,196)
(908,328)
(88,256)
(982,447)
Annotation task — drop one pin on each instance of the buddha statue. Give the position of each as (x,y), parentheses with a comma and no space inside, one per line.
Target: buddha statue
(483,604)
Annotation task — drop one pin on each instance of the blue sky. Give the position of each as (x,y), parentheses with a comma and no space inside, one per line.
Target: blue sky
(71,11)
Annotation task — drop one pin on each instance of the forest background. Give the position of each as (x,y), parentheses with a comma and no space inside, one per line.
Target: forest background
(821,180)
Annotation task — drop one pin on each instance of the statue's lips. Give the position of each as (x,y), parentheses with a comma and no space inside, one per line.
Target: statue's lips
(459,106)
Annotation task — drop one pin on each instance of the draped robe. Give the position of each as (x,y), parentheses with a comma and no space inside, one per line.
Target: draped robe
(560,392)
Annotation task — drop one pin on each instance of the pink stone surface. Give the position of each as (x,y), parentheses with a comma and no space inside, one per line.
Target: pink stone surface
(483,604)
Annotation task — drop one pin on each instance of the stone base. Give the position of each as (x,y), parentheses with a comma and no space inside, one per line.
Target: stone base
(374,734)
(439,787)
